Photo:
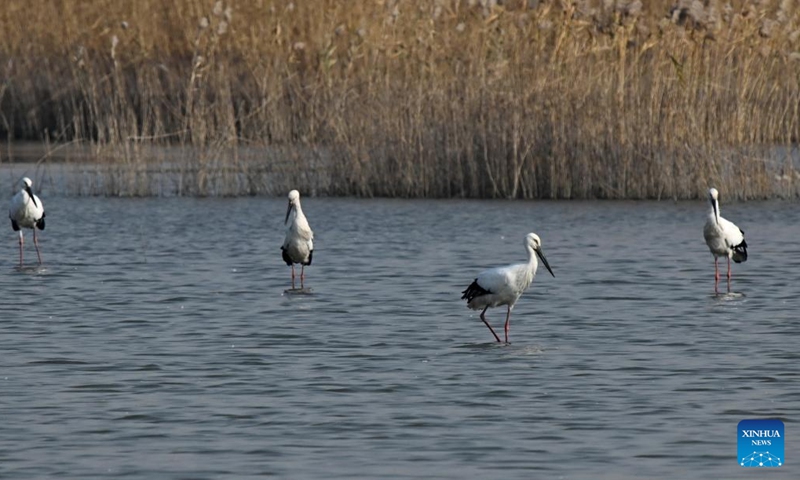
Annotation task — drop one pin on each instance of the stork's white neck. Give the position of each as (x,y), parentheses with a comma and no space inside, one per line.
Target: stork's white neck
(297,211)
(714,210)
(533,262)
(297,220)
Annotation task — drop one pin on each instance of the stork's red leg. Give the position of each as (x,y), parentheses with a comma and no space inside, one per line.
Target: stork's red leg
(729,274)
(21,242)
(508,321)
(36,244)
(487,323)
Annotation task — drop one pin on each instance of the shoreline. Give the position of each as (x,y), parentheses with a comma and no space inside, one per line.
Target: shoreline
(74,170)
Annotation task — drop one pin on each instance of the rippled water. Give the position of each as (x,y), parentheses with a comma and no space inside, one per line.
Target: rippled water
(157,342)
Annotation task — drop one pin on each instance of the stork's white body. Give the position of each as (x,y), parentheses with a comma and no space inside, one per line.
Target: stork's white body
(724,239)
(721,236)
(26,211)
(504,285)
(298,244)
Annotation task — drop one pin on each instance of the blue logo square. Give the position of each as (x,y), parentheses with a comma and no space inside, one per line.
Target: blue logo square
(761,443)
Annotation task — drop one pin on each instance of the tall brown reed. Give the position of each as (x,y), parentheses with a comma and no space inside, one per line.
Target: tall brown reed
(450,98)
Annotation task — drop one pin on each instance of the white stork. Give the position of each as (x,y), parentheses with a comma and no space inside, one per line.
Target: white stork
(298,245)
(723,238)
(504,285)
(27,211)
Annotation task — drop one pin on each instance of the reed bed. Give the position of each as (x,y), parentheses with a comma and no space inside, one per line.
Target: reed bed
(414,98)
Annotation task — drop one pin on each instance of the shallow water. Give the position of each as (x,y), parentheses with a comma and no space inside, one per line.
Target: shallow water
(157,342)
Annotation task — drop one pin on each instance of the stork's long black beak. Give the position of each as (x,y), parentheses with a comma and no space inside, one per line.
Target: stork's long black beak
(716,212)
(30,194)
(288,211)
(546,265)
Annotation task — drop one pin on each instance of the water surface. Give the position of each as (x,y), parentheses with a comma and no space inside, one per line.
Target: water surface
(157,342)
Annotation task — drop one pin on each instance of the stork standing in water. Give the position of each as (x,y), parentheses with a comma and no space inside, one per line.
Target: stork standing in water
(298,246)
(27,211)
(723,238)
(504,285)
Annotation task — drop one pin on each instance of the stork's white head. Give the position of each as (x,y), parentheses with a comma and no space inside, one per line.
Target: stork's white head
(294,202)
(26,187)
(713,197)
(533,242)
